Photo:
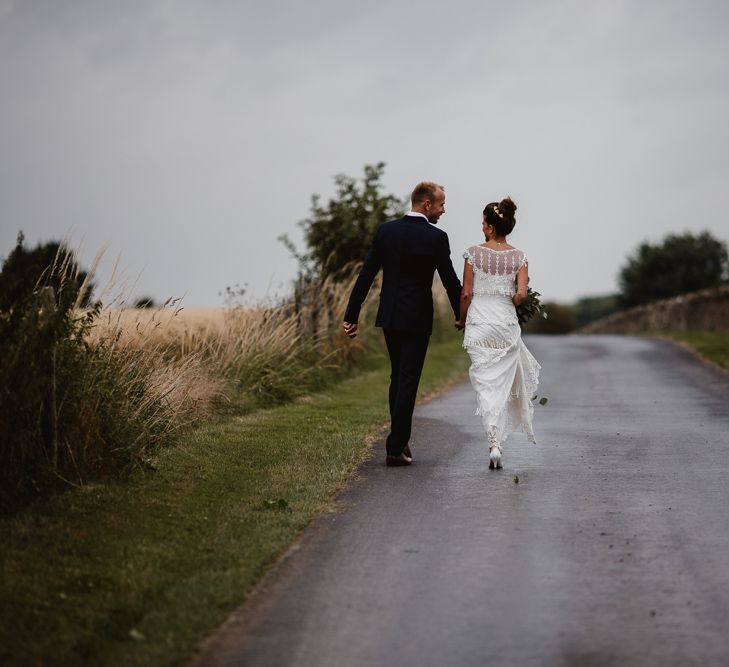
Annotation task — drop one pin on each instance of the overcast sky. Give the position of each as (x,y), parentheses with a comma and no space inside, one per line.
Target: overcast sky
(186,136)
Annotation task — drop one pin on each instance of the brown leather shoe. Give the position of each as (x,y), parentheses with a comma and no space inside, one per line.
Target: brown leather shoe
(401,460)
(407,452)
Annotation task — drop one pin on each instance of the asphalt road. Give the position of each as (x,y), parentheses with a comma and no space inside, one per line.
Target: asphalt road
(613,548)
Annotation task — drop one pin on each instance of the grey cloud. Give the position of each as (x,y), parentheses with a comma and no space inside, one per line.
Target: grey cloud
(188,136)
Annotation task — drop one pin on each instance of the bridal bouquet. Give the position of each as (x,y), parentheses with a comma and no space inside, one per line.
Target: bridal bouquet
(530,307)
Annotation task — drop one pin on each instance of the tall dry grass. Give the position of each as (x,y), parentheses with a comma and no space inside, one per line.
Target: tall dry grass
(264,354)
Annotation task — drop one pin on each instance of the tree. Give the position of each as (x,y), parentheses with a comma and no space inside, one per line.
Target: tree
(50,264)
(682,263)
(341,232)
(145,302)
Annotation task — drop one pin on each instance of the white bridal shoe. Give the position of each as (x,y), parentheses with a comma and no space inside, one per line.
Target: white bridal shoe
(495,457)
(494,449)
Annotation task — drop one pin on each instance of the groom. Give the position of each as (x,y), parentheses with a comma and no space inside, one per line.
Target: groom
(409,250)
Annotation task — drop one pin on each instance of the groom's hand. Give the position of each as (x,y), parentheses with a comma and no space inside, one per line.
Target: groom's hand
(460,325)
(350,329)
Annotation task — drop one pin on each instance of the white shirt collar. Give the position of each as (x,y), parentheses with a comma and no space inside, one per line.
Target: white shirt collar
(413,214)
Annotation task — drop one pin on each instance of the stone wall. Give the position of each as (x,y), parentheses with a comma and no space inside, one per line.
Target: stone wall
(705,310)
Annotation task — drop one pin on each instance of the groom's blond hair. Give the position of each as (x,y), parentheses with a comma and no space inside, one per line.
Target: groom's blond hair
(424,190)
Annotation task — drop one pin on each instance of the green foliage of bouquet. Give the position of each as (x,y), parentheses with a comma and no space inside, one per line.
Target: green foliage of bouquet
(530,307)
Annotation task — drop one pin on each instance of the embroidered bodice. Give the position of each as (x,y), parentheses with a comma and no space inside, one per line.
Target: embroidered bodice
(494,271)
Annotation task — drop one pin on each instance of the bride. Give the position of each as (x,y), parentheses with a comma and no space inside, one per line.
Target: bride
(504,374)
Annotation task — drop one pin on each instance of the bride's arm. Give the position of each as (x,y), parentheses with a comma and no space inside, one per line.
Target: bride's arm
(466,293)
(522,280)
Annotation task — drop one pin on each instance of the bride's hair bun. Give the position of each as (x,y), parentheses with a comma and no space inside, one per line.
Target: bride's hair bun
(508,208)
(501,215)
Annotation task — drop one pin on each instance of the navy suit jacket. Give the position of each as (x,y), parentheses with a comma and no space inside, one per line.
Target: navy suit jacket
(409,250)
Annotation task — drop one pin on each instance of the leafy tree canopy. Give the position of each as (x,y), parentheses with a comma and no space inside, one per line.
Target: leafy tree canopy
(682,263)
(340,232)
(145,302)
(49,264)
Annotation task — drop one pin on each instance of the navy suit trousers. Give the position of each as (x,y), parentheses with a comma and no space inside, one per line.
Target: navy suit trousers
(407,355)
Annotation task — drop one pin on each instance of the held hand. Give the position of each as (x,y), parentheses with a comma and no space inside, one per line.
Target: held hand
(460,325)
(350,329)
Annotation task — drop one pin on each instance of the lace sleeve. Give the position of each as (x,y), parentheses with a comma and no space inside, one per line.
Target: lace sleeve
(523,261)
(468,255)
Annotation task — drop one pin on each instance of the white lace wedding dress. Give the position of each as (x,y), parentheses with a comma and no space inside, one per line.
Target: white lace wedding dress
(503,372)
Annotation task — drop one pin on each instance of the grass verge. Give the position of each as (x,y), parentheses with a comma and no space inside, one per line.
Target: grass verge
(138,572)
(712,345)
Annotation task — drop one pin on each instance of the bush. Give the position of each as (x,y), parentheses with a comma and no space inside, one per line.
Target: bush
(592,308)
(560,320)
(145,302)
(683,263)
(71,408)
(24,269)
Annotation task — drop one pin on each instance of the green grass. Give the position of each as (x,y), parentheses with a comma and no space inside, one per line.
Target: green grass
(713,345)
(138,572)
